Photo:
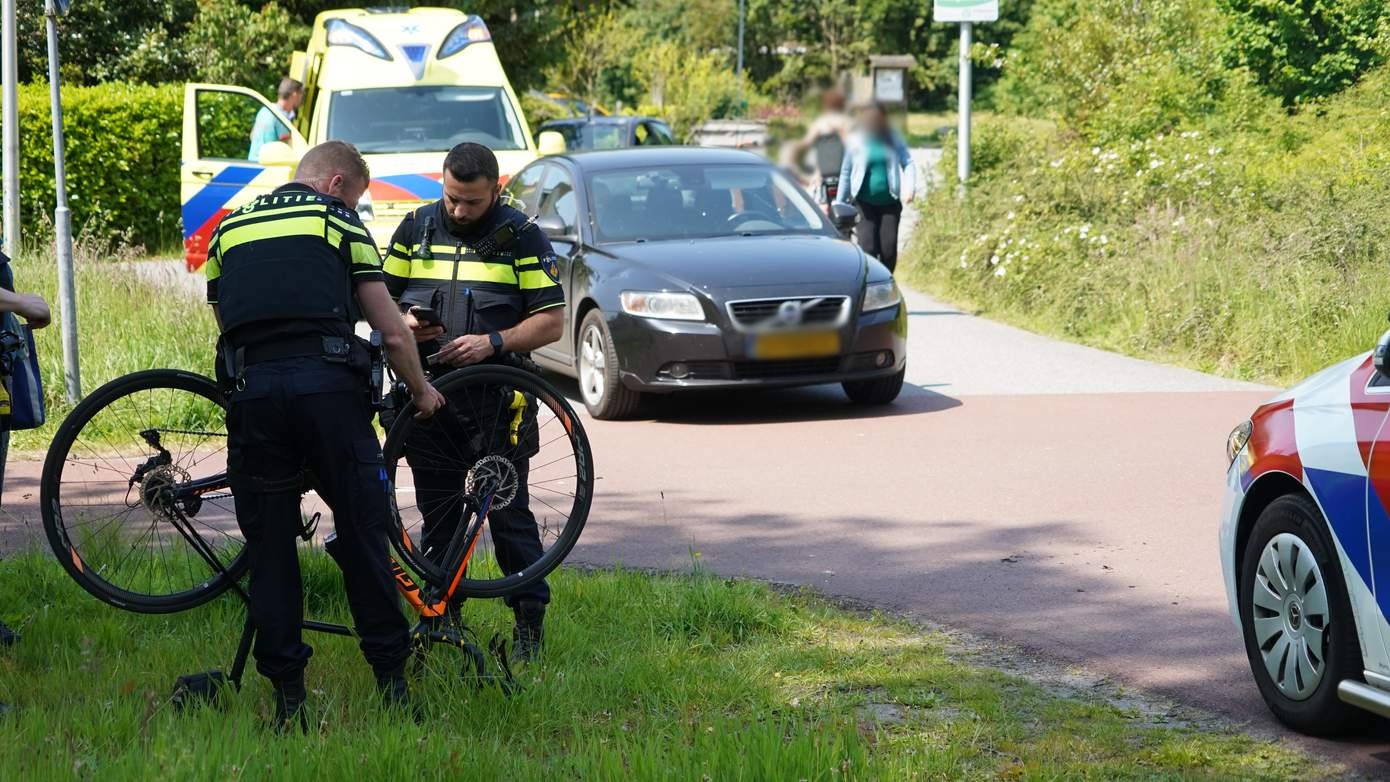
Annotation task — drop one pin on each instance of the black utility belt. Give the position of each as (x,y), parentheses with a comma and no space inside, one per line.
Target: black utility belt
(332,349)
(362,356)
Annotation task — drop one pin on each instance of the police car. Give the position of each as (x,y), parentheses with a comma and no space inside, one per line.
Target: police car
(403,86)
(1305,545)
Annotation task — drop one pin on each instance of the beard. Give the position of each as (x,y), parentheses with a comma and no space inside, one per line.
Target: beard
(457,226)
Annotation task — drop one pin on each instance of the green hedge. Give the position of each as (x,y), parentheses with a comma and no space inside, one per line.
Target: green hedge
(122,160)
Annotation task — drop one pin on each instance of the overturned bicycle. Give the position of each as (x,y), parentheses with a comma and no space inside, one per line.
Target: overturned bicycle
(138,508)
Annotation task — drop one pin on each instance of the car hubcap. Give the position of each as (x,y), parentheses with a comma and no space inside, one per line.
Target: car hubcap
(1291,616)
(592,358)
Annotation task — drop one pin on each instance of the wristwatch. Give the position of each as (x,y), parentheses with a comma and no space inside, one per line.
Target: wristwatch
(496,340)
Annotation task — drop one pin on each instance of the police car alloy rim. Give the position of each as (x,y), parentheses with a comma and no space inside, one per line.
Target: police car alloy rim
(1291,614)
(593,357)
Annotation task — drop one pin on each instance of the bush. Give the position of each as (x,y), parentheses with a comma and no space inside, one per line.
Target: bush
(1304,49)
(1254,249)
(122,155)
(230,43)
(689,88)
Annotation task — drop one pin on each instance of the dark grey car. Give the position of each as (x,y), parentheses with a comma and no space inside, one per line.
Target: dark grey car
(690,268)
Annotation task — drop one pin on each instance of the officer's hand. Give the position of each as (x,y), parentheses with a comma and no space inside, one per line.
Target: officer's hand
(468,349)
(428,402)
(34,310)
(422,332)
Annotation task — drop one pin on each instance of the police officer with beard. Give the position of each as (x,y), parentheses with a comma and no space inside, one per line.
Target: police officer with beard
(491,278)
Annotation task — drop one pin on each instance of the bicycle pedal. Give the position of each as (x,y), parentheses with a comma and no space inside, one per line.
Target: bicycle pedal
(196,689)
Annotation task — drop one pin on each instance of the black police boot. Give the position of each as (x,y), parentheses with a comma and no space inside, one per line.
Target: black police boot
(529,630)
(8,637)
(395,691)
(289,705)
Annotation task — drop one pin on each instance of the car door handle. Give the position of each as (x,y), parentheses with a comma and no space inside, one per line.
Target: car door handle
(201,173)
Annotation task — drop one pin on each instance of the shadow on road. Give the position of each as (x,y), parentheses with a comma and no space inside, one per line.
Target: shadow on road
(766,406)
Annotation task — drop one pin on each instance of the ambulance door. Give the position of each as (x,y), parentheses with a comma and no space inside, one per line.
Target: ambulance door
(217,172)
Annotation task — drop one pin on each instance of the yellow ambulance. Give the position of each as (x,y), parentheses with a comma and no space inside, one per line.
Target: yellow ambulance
(403,85)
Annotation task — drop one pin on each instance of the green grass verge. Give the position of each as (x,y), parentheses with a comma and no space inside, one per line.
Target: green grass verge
(1254,250)
(679,677)
(126,322)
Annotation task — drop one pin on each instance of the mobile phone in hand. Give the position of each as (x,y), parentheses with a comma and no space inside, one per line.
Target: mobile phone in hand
(427,316)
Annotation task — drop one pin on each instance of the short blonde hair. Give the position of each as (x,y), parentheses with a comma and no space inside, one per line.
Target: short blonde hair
(331,158)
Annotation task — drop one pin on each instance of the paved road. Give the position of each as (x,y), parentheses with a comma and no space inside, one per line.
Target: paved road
(1061,498)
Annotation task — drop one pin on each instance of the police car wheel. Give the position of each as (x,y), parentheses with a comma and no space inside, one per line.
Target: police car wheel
(1300,636)
(604,394)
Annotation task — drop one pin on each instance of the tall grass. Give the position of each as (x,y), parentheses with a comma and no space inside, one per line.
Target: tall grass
(682,677)
(1257,252)
(126,321)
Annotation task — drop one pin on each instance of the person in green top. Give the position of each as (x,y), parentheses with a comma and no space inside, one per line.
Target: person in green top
(273,124)
(877,175)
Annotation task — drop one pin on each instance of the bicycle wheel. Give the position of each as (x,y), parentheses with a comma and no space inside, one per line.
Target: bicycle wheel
(507,453)
(135,497)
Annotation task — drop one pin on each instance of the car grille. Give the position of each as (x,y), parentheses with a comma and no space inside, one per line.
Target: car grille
(757,314)
(752,370)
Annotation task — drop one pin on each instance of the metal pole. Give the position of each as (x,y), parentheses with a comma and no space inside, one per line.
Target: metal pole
(739,67)
(9,74)
(62,220)
(963,137)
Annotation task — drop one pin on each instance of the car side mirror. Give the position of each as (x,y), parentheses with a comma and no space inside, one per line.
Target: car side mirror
(844,217)
(555,228)
(1381,356)
(277,153)
(550,143)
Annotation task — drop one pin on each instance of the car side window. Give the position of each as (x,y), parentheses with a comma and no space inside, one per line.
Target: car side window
(525,187)
(558,197)
(661,134)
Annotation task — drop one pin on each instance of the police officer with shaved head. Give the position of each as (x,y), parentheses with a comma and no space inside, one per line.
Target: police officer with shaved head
(289,274)
(488,279)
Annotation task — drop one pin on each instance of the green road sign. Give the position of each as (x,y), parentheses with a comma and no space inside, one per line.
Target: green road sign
(965,11)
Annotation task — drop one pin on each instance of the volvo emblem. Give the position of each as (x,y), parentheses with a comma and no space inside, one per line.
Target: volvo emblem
(789,313)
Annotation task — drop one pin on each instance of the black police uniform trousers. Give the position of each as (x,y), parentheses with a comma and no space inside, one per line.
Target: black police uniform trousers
(300,414)
(435,459)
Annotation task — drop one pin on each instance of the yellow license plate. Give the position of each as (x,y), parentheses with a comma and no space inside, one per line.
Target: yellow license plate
(801,344)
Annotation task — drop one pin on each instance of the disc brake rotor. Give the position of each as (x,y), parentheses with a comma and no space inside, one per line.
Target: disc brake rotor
(495,474)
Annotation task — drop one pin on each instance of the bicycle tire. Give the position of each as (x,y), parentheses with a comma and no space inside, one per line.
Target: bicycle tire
(450,385)
(51,499)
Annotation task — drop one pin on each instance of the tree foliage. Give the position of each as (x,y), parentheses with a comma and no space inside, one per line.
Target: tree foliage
(1304,49)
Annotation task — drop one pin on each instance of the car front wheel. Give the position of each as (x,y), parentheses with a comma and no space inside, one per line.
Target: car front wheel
(879,391)
(604,394)
(1300,636)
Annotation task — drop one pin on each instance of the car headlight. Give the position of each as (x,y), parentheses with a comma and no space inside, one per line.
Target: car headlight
(1236,440)
(662,304)
(880,295)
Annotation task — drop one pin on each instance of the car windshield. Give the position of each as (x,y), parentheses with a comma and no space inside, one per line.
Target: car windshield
(589,135)
(423,119)
(697,201)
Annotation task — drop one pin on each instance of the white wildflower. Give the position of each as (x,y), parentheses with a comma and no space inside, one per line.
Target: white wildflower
(1000,271)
